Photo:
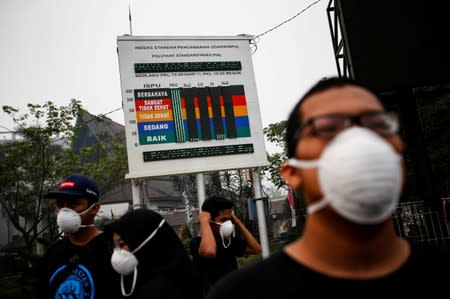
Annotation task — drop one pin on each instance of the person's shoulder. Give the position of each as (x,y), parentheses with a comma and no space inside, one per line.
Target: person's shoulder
(252,279)
(271,263)
(195,241)
(427,268)
(430,253)
(162,286)
(101,239)
(428,261)
(429,248)
(58,245)
(100,244)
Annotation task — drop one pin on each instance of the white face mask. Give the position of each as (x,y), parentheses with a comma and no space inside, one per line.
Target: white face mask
(360,176)
(225,231)
(226,228)
(70,221)
(125,262)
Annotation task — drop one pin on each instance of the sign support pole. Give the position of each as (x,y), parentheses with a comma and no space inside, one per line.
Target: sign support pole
(200,189)
(136,191)
(261,214)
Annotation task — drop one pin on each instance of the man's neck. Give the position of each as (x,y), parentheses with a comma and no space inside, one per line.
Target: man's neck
(84,235)
(348,250)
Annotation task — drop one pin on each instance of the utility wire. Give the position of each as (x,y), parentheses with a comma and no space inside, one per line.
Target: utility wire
(95,117)
(9,130)
(100,116)
(253,45)
(288,20)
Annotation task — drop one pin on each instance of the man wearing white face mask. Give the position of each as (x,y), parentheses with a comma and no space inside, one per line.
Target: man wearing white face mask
(345,156)
(214,252)
(78,265)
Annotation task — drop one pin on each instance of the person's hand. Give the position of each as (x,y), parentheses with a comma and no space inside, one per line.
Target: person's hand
(204,217)
(234,218)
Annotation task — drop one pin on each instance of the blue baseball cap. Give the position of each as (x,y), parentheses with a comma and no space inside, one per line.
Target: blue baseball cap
(76,186)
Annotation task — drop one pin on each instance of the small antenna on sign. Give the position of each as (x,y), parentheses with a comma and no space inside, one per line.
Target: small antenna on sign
(129,18)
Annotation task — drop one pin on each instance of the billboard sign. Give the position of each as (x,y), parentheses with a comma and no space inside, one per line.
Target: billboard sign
(190,105)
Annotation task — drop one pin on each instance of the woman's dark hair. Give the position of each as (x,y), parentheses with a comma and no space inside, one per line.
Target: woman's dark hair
(295,121)
(135,226)
(214,204)
(165,246)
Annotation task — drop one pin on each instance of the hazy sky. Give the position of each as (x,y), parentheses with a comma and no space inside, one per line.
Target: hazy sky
(62,49)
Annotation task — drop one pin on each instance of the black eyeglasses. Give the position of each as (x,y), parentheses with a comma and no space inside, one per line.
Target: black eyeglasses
(329,125)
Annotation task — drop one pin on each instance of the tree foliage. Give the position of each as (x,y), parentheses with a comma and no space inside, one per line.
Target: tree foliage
(32,164)
(231,184)
(106,161)
(41,156)
(275,134)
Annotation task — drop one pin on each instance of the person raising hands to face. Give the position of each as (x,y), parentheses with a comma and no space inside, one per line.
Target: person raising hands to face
(214,252)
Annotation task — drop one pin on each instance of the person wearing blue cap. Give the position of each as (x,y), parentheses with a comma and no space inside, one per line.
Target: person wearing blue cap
(78,265)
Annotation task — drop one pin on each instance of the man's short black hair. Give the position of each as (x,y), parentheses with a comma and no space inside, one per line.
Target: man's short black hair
(294,120)
(214,204)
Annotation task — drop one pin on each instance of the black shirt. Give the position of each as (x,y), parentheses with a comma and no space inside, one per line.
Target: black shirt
(424,275)
(211,270)
(71,271)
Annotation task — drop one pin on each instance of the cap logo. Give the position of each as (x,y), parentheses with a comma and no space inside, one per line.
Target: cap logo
(91,192)
(67,184)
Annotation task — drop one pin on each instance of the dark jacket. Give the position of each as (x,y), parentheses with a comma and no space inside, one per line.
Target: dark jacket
(164,269)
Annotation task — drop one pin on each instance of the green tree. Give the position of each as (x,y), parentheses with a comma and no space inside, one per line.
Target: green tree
(33,163)
(275,134)
(106,161)
(41,157)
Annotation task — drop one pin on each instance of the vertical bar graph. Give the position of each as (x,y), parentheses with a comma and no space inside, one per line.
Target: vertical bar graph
(203,106)
(217,112)
(229,112)
(188,95)
(180,115)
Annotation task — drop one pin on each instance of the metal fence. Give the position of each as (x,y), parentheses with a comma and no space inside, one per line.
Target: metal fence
(418,223)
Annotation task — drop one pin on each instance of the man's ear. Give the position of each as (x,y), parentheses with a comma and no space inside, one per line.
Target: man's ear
(96,208)
(292,176)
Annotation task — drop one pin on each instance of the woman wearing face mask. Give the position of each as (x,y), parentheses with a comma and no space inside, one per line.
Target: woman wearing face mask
(150,258)
(345,157)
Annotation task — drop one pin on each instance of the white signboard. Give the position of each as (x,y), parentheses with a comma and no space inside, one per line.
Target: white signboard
(190,105)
